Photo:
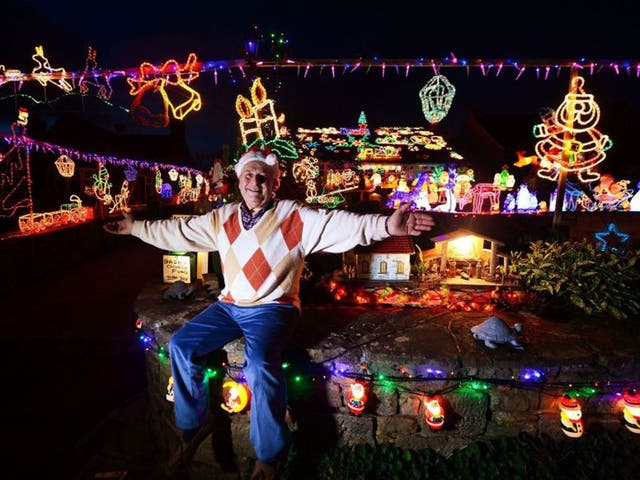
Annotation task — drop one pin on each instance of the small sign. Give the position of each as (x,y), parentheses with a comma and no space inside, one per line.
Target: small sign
(178,267)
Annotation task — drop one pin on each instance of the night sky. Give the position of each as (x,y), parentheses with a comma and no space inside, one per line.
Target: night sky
(127,33)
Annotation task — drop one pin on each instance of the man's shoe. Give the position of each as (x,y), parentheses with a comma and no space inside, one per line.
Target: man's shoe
(265,471)
(188,446)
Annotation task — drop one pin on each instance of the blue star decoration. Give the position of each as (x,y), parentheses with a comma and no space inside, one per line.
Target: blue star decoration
(615,236)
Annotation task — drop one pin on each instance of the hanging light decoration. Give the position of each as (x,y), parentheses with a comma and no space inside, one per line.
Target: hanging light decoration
(571,417)
(173,174)
(436,97)
(65,166)
(356,398)
(236,396)
(433,412)
(632,410)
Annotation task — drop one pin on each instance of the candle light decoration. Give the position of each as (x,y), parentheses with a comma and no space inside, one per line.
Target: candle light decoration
(236,396)
(571,417)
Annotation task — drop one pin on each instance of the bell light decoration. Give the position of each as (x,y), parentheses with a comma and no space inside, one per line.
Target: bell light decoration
(356,398)
(433,412)
(571,417)
(236,396)
(631,410)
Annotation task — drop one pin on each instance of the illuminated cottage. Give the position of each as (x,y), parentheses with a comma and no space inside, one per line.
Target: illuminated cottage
(361,164)
(388,259)
(463,256)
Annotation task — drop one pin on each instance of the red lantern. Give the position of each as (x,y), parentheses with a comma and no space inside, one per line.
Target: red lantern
(433,412)
(356,398)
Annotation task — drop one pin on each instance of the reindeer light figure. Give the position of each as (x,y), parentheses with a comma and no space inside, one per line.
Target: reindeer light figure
(44,74)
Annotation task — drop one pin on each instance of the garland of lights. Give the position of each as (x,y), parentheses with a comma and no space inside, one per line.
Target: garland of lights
(543,68)
(236,394)
(45,147)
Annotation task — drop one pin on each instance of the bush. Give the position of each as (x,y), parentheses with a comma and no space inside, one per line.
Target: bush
(574,274)
(598,455)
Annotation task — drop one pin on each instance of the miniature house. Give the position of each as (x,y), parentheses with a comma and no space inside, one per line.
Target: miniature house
(388,259)
(466,254)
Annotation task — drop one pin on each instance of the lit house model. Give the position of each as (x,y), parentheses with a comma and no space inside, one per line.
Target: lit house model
(388,259)
(463,256)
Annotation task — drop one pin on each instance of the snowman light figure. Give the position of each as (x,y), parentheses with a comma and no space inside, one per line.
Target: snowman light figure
(571,417)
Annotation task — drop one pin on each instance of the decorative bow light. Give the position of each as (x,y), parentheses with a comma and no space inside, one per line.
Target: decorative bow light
(433,412)
(236,396)
(356,398)
(571,417)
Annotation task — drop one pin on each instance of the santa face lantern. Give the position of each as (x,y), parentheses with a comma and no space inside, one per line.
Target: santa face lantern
(571,417)
(356,398)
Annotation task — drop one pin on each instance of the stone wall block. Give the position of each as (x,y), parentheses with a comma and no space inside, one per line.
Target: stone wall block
(409,404)
(514,400)
(467,413)
(390,428)
(353,429)
(383,400)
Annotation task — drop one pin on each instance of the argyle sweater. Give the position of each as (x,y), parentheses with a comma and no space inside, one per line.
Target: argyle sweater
(264,264)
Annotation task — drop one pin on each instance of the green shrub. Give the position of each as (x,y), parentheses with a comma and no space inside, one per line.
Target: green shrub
(574,274)
(597,455)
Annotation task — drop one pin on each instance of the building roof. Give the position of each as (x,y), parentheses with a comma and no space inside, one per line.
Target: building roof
(462,232)
(388,245)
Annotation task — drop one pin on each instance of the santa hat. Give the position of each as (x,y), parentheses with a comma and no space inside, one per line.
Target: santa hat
(255,155)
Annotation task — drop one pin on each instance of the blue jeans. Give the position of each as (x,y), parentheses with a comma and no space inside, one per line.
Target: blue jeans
(266,329)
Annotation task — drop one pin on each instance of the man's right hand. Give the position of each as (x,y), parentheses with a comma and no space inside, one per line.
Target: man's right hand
(121,227)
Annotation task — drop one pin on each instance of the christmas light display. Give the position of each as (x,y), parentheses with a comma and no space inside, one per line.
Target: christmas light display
(569,139)
(616,238)
(257,117)
(433,412)
(356,398)
(65,166)
(170,80)
(45,74)
(631,411)
(571,417)
(236,396)
(92,80)
(436,98)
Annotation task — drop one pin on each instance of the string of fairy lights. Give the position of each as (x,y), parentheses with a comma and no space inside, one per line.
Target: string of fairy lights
(301,378)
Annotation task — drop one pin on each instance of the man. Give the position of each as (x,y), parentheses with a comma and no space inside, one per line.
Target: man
(262,242)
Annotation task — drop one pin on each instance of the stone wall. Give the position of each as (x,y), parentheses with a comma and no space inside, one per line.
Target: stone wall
(397,342)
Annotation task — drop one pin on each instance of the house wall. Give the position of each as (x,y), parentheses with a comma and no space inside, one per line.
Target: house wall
(384,266)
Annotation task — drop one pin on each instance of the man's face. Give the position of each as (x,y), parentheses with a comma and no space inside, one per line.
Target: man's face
(257,184)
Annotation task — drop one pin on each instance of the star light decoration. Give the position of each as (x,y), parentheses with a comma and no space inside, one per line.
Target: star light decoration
(436,97)
(615,236)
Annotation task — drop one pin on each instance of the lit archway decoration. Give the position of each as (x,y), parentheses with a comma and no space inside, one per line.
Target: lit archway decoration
(236,396)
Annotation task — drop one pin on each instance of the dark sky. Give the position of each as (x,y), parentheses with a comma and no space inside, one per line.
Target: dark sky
(125,33)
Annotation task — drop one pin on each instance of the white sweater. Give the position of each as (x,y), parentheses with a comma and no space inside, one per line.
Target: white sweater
(264,264)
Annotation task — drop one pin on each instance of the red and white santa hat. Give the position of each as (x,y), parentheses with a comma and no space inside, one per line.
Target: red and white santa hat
(256,155)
